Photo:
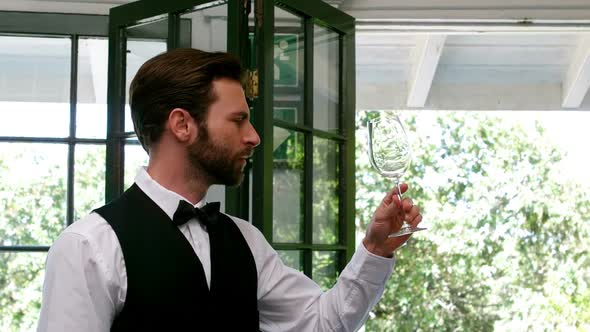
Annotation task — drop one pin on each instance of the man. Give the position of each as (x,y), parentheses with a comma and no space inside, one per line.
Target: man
(150,261)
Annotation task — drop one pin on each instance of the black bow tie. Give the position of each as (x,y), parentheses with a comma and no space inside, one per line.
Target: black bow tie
(207,214)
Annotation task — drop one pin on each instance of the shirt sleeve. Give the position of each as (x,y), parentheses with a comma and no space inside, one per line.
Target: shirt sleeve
(289,301)
(77,295)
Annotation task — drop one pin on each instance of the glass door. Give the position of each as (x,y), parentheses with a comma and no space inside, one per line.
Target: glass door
(303,172)
(140,30)
(299,61)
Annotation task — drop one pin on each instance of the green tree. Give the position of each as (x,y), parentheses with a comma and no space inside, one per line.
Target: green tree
(33,185)
(507,239)
(506,247)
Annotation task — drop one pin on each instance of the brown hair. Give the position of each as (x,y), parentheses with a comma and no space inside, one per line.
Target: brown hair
(180,78)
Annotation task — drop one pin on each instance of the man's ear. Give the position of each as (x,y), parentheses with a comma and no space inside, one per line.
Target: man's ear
(182,125)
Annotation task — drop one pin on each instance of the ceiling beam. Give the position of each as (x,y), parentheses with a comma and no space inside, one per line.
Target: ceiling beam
(427,54)
(466,96)
(577,80)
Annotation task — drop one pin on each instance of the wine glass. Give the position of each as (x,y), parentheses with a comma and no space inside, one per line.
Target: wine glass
(389,153)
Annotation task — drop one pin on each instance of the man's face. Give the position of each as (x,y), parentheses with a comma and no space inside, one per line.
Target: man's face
(226,139)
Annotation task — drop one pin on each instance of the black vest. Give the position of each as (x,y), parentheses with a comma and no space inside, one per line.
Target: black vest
(166,285)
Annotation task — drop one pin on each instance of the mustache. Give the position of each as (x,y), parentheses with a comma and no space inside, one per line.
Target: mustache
(247,153)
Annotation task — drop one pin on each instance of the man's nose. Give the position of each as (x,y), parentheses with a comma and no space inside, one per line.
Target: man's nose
(252,137)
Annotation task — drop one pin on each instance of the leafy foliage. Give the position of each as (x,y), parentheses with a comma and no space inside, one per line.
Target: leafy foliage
(506,244)
(33,208)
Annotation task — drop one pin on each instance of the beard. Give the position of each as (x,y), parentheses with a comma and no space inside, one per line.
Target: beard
(216,161)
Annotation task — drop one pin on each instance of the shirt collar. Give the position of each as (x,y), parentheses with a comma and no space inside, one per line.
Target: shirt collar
(166,199)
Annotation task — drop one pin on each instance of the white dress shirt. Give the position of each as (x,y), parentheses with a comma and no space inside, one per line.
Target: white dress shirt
(86,281)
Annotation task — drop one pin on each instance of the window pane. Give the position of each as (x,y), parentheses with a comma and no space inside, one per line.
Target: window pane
(291,258)
(21,282)
(32,192)
(34,83)
(42,119)
(35,69)
(205,29)
(91,117)
(135,157)
(89,179)
(326,79)
(128,120)
(324,268)
(288,66)
(325,191)
(138,52)
(287,186)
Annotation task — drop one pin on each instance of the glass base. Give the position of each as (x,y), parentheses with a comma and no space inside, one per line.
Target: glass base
(406,230)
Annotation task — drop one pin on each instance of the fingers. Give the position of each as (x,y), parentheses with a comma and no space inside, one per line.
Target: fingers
(407,205)
(392,196)
(403,187)
(415,221)
(388,199)
(412,212)
(391,199)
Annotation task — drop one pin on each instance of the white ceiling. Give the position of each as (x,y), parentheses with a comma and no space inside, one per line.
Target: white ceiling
(467,9)
(529,71)
(453,54)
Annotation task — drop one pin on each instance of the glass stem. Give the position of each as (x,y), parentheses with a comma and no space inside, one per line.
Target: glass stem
(399,190)
(399,195)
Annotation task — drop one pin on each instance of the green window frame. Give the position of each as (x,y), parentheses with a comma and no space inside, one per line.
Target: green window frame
(74,27)
(324,15)
(237,200)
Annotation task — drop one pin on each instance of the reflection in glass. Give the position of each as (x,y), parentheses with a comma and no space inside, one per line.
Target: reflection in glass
(21,284)
(33,189)
(287,186)
(291,258)
(89,178)
(325,191)
(326,82)
(135,157)
(34,83)
(35,69)
(324,268)
(288,66)
(205,29)
(91,118)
